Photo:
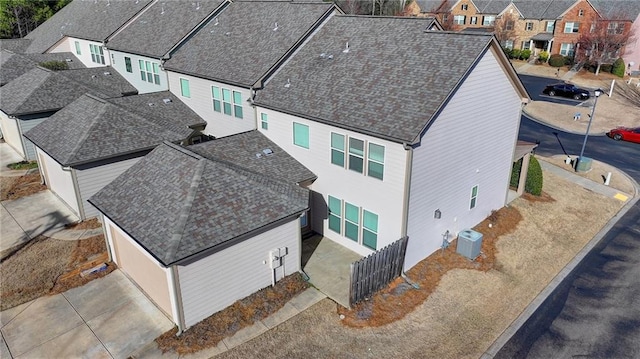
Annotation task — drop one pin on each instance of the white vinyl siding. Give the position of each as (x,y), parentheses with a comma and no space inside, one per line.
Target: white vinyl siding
(69,45)
(128,66)
(384,198)
(442,176)
(59,181)
(25,126)
(207,286)
(11,133)
(202,102)
(92,179)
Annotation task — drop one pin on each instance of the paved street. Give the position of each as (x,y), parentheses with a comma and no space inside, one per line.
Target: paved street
(594,313)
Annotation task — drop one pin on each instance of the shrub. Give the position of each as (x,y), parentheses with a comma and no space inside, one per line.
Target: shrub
(606,68)
(515,53)
(525,54)
(507,51)
(533,183)
(55,65)
(543,56)
(534,178)
(618,68)
(568,60)
(556,60)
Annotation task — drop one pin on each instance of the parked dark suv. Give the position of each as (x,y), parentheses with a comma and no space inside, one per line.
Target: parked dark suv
(566,90)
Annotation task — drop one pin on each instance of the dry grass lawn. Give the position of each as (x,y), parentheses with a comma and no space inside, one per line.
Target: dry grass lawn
(470,307)
(48,266)
(16,187)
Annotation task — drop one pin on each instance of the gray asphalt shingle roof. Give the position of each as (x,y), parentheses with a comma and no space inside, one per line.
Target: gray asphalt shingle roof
(161,26)
(557,8)
(14,45)
(618,10)
(177,204)
(240,45)
(84,19)
(248,150)
(491,6)
(435,6)
(389,84)
(42,90)
(91,129)
(14,65)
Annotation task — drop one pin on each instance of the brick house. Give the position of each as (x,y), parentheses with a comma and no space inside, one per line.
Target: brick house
(570,24)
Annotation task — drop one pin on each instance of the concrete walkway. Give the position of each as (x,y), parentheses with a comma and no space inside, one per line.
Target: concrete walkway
(106,318)
(8,156)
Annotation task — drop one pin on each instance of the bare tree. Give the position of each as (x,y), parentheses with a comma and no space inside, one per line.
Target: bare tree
(505,28)
(603,41)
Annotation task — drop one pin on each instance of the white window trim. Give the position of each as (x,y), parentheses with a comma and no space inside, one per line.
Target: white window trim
(184,80)
(472,197)
(343,221)
(264,121)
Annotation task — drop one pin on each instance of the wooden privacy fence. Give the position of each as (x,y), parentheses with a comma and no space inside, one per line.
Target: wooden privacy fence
(374,272)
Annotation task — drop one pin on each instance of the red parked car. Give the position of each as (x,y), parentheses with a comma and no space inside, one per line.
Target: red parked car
(625,134)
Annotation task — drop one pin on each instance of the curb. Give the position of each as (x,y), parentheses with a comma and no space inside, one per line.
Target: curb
(515,326)
(543,122)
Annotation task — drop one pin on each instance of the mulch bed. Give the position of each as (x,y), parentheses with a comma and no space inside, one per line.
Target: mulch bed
(92,223)
(400,297)
(243,313)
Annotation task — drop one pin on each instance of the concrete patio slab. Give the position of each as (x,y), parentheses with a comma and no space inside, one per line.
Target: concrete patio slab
(79,342)
(328,267)
(8,156)
(245,334)
(130,326)
(103,295)
(43,320)
(4,350)
(151,351)
(50,214)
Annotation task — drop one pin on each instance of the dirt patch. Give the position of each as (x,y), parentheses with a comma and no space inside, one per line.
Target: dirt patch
(543,197)
(92,223)
(243,313)
(17,187)
(37,268)
(400,297)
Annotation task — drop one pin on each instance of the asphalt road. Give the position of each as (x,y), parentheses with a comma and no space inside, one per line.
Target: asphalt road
(535,85)
(595,312)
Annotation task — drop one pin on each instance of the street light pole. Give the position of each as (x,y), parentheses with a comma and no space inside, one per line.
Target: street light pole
(597,93)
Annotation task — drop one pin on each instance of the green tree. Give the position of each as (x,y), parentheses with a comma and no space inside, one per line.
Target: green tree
(19,17)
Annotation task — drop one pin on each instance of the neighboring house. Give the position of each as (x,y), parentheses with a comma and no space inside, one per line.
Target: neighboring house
(217,71)
(537,23)
(140,47)
(382,138)
(82,27)
(14,65)
(464,14)
(91,141)
(31,98)
(196,234)
(570,24)
(623,17)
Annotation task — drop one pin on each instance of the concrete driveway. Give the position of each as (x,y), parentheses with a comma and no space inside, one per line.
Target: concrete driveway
(106,318)
(28,217)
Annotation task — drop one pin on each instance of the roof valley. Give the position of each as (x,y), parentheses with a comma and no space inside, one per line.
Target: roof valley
(94,119)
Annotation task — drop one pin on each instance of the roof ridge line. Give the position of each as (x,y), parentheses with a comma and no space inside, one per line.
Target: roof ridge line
(178,234)
(86,133)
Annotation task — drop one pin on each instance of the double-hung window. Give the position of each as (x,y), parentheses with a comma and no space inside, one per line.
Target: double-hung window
(488,20)
(184,88)
(335,215)
(127,64)
(337,149)
(459,19)
(566,49)
(528,26)
(226,101)
(237,104)
(550,26)
(351,221)
(301,135)
(474,197)
(77,44)
(473,20)
(571,27)
(217,98)
(375,163)
(369,229)
(464,7)
(97,54)
(264,121)
(356,155)
(149,72)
